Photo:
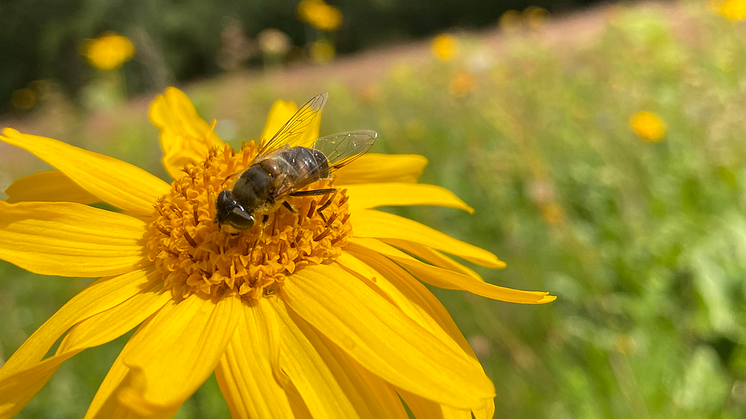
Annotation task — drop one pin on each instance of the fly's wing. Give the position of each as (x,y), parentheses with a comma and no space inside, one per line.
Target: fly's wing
(298,124)
(339,149)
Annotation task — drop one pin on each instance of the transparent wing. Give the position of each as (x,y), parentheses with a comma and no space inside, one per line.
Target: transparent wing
(340,149)
(296,126)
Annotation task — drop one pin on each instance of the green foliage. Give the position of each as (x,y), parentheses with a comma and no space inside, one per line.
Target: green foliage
(643,243)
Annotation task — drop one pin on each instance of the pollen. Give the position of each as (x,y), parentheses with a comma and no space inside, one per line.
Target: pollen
(195,255)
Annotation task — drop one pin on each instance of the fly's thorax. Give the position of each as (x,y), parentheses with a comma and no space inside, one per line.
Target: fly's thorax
(253,188)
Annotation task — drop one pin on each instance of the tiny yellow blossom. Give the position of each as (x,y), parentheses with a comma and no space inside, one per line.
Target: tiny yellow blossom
(322,51)
(274,42)
(648,126)
(733,9)
(109,51)
(445,47)
(320,15)
(510,21)
(535,17)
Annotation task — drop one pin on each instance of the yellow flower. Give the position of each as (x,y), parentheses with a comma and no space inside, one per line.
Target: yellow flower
(510,21)
(535,17)
(445,47)
(320,15)
(733,9)
(322,51)
(648,126)
(108,52)
(293,316)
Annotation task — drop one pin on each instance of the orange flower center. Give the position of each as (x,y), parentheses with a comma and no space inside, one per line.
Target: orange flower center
(195,255)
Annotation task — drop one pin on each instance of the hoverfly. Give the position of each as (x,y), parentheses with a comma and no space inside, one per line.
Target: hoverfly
(285,164)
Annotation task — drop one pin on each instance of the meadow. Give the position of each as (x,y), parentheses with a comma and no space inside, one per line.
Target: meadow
(643,240)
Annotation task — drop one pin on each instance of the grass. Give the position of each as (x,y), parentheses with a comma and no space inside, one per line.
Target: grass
(643,243)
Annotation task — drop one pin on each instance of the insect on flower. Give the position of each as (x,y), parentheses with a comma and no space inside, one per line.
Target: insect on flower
(285,165)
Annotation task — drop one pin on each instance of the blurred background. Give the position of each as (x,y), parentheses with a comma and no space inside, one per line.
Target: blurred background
(602,146)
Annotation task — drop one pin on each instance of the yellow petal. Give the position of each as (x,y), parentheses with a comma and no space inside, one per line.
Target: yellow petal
(371,195)
(444,278)
(435,257)
(118,183)
(407,293)
(379,168)
(280,113)
(376,334)
(110,324)
(49,186)
(70,239)
(370,395)
(184,135)
(245,372)
(382,225)
(418,298)
(311,372)
(176,350)
(119,299)
(427,409)
(486,410)
(107,404)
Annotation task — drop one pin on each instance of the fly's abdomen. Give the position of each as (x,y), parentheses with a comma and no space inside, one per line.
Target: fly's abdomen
(306,163)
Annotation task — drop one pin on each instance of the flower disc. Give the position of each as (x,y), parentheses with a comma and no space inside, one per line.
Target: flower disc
(196,255)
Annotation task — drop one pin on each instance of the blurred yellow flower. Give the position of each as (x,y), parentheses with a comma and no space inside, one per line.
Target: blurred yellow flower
(445,47)
(510,21)
(648,126)
(733,9)
(274,42)
(461,84)
(322,51)
(108,52)
(535,17)
(320,15)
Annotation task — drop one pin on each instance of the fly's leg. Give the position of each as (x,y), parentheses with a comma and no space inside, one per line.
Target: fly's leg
(318,192)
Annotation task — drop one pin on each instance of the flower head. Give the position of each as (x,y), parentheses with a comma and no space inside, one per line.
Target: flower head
(109,51)
(733,9)
(445,47)
(648,126)
(322,51)
(320,15)
(301,314)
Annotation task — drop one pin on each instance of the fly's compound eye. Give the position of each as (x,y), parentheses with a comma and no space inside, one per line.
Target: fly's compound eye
(240,219)
(228,211)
